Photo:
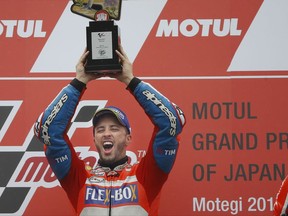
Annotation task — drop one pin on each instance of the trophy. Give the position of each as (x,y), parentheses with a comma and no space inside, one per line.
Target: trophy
(102,35)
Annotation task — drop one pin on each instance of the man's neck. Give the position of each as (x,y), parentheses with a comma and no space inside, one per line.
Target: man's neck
(113,164)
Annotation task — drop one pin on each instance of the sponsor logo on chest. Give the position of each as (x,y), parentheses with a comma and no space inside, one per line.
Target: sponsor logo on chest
(126,194)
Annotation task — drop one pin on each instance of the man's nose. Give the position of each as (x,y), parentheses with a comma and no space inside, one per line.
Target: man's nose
(107,132)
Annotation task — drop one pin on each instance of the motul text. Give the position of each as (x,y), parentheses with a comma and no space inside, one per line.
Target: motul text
(22,28)
(193,27)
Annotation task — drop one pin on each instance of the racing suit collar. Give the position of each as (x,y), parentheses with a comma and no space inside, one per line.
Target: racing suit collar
(115,164)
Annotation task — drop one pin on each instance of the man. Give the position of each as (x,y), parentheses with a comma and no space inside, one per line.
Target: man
(281,204)
(113,187)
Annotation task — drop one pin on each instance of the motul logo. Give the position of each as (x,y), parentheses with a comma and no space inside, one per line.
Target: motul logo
(22,28)
(203,27)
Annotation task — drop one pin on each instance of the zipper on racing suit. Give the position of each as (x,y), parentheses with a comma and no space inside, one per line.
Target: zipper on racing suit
(110,197)
(111,179)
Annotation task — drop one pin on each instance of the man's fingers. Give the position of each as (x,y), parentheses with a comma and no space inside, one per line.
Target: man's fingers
(120,55)
(123,52)
(83,57)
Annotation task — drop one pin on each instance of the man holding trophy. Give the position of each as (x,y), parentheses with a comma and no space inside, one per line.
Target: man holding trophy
(113,186)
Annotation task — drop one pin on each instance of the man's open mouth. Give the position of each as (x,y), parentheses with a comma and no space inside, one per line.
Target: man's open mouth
(107,146)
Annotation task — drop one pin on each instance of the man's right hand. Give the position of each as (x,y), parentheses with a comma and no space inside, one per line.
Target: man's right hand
(81,75)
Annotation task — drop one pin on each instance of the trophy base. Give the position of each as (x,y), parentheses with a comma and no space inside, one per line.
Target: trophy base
(103,69)
(102,41)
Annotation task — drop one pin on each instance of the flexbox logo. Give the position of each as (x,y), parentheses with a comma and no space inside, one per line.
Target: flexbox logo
(127,194)
(25,168)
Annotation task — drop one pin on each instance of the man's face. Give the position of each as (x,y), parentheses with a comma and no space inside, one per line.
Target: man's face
(111,139)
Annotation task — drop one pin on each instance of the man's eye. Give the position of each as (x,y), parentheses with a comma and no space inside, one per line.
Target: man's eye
(114,128)
(99,130)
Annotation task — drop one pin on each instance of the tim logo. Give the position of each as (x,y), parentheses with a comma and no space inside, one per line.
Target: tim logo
(127,194)
(169,152)
(25,168)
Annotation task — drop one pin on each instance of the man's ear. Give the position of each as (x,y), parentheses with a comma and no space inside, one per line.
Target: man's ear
(128,139)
